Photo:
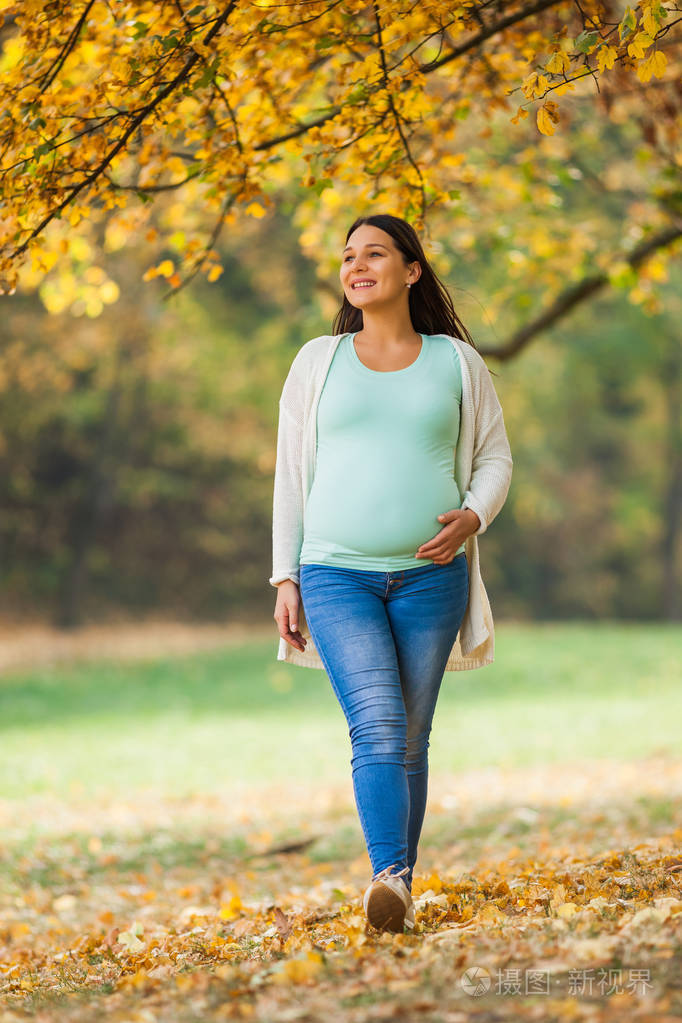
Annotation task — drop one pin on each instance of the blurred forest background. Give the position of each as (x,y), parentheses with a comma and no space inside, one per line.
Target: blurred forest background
(138,435)
(138,426)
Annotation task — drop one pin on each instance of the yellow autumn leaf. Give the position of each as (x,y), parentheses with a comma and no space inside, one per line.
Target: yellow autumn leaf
(231,909)
(655,64)
(12,54)
(566,910)
(529,85)
(466,915)
(558,63)
(429,898)
(433,883)
(214,273)
(606,56)
(298,971)
(542,84)
(651,20)
(255,209)
(491,914)
(130,939)
(547,117)
(639,44)
(166,268)
(43,260)
(136,980)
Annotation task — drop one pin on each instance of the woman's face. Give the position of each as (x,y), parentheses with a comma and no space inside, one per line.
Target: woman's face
(373,271)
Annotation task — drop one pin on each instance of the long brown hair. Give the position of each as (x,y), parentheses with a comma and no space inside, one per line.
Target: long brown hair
(431,308)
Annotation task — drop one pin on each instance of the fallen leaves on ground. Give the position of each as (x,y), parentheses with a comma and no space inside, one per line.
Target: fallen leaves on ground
(212,909)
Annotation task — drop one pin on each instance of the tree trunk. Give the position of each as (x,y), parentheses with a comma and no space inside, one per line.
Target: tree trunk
(88,517)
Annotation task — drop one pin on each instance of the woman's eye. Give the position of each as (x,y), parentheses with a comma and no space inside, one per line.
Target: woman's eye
(371,254)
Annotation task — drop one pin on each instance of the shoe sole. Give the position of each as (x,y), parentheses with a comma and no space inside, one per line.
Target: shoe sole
(386,910)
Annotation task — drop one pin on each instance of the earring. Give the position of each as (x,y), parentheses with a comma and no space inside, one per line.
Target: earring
(409,285)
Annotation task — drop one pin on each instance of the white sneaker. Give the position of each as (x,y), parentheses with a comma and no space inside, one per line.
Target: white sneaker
(388,902)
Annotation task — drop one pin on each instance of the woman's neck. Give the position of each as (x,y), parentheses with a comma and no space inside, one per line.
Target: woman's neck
(387,330)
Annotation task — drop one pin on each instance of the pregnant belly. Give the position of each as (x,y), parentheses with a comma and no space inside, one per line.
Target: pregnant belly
(381,522)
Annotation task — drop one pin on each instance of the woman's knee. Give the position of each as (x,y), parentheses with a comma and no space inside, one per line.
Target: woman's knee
(389,730)
(417,746)
(379,742)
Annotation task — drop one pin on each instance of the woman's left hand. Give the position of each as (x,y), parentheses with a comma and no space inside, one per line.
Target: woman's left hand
(459,524)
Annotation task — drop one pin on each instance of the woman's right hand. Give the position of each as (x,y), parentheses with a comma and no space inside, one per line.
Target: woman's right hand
(286,613)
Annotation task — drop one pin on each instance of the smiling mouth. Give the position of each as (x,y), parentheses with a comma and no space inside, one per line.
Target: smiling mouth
(363,284)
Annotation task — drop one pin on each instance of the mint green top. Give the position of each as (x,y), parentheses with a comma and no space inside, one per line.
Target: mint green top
(384,464)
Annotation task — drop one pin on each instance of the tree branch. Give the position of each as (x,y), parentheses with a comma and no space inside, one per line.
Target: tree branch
(489,31)
(427,68)
(55,68)
(577,293)
(181,76)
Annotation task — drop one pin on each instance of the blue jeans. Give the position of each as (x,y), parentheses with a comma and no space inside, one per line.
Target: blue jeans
(384,639)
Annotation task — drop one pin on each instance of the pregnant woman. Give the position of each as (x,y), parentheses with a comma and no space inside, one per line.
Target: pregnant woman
(392,458)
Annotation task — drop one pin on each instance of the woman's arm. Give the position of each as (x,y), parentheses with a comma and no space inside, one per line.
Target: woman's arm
(287,511)
(491,468)
(287,504)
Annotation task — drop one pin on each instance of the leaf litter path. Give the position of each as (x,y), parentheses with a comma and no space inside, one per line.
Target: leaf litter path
(542,893)
(30,644)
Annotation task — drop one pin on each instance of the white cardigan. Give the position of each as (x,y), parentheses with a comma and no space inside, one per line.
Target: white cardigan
(482,470)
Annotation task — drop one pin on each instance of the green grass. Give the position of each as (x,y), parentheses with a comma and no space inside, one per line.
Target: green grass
(237,716)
